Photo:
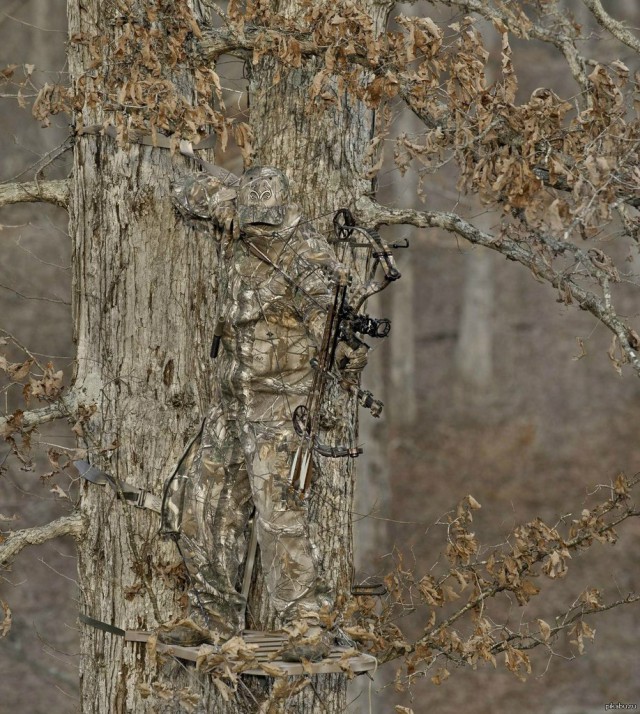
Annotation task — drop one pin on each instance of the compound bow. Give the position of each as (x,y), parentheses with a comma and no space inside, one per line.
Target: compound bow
(344,323)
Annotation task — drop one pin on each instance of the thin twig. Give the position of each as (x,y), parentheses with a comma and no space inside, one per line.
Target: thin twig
(374,214)
(616,28)
(65,407)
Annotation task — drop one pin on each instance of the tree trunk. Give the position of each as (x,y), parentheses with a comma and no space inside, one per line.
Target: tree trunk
(402,395)
(403,401)
(143,310)
(474,346)
(143,305)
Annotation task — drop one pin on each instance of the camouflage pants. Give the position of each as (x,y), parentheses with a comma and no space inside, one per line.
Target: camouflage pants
(230,469)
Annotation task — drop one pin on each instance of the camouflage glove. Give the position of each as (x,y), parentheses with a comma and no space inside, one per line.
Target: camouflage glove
(315,325)
(340,274)
(206,197)
(223,215)
(350,359)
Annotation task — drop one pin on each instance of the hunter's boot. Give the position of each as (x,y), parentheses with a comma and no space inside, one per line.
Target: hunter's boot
(310,641)
(208,621)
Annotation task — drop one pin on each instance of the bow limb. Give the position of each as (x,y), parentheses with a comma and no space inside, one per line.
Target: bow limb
(382,257)
(306,418)
(348,232)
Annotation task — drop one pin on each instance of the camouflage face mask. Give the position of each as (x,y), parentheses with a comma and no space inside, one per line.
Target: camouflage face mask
(262,197)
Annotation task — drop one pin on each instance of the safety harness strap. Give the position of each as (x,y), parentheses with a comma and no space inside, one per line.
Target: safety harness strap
(138,497)
(161,141)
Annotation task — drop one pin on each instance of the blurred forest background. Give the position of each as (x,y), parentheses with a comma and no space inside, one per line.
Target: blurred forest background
(492,388)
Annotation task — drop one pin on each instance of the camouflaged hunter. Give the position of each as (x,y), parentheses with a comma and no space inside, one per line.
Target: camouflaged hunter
(275,281)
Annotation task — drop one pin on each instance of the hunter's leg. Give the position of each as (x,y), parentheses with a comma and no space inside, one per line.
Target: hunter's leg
(287,552)
(214,526)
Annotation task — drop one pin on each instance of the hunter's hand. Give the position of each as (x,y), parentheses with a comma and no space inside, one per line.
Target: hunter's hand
(340,274)
(223,215)
(349,359)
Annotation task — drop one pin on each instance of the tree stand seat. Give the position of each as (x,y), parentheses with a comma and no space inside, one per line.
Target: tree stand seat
(256,653)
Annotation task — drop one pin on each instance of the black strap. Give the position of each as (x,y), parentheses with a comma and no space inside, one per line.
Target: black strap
(99,625)
(372,590)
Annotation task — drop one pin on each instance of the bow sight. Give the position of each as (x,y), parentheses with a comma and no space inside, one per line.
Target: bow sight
(351,319)
(367,325)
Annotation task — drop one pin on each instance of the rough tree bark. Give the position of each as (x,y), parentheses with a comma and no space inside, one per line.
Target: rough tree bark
(142,302)
(143,306)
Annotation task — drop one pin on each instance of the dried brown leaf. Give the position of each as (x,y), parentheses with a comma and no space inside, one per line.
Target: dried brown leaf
(545,630)
(440,676)
(8,71)
(59,491)
(5,624)
(225,691)
(473,504)
(272,670)
(18,372)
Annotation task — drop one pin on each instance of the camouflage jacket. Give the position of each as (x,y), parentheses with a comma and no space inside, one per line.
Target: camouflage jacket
(274,287)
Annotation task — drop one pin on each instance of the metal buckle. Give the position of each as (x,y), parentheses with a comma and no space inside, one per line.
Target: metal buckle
(140,499)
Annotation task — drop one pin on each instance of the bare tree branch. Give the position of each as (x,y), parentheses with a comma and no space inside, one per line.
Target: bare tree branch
(528,642)
(375,214)
(55,191)
(218,41)
(615,27)
(65,407)
(73,525)
(532,550)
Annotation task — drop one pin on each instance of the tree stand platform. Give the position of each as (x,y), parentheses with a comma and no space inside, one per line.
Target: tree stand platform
(257,653)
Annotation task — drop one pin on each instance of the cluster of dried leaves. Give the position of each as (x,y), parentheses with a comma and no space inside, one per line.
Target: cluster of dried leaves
(455,603)
(518,155)
(39,389)
(511,153)
(562,173)
(133,81)
(455,600)
(558,167)
(35,381)
(225,662)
